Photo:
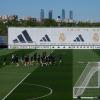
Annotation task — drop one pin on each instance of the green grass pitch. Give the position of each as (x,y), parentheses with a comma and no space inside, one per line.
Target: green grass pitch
(35,82)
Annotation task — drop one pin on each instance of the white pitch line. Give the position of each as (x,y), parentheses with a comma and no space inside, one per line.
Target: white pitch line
(16,86)
(82,62)
(51,52)
(35,98)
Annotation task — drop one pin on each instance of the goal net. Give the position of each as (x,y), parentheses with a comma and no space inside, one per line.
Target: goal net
(90,78)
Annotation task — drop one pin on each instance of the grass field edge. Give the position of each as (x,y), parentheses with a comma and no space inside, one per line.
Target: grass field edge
(16,86)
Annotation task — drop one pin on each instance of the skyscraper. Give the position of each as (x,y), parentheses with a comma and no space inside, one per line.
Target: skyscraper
(71,14)
(50,14)
(42,14)
(63,14)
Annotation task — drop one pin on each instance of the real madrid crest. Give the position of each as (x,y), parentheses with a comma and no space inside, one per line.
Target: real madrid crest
(95,37)
(62,37)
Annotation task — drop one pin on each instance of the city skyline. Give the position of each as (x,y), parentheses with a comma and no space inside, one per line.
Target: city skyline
(83,10)
(42,15)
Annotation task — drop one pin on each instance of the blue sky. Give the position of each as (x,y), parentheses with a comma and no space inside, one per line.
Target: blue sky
(83,9)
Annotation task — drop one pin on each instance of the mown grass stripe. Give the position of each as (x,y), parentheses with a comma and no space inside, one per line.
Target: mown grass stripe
(16,86)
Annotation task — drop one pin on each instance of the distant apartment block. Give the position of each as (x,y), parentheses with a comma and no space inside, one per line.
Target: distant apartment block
(6,17)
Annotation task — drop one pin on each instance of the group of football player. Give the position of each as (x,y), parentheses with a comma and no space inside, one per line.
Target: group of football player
(42,60)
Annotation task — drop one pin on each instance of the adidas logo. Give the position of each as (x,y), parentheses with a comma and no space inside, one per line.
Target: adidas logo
(45,39)
(23,38)
(79,39)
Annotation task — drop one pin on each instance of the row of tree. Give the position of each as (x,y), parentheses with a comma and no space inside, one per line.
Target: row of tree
(45,23)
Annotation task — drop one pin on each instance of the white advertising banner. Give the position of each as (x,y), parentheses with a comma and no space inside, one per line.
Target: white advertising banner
(53,38)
